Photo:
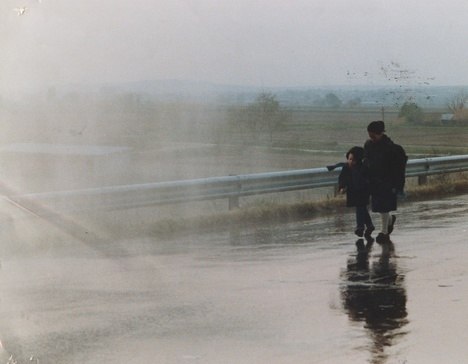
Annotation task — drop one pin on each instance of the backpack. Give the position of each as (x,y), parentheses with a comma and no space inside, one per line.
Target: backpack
(399,159)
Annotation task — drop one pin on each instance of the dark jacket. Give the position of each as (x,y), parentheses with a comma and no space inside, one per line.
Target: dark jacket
(357,186)
(384,173)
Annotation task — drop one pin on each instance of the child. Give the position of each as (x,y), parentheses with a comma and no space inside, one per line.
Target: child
(352,181)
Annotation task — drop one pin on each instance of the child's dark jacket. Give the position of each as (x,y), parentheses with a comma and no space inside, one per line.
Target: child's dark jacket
(356,185)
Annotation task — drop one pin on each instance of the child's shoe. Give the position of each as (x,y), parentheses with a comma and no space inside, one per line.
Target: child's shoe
(359,232)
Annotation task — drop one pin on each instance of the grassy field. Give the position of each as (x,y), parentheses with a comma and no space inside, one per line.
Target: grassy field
(183,141)
(198,141)
(340,129)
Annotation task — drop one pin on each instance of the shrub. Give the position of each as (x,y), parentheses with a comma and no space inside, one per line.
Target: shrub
(411,112)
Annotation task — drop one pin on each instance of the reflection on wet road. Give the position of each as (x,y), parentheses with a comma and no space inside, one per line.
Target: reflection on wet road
(287,293)
(373,292)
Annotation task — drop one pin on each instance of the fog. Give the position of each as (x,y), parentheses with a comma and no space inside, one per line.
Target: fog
(124,92)
(100,94)
(257,43)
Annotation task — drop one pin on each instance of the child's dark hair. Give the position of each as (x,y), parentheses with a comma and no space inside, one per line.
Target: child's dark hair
(358,153)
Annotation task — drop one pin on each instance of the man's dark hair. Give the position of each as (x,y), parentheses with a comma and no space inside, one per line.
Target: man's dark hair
(377,127)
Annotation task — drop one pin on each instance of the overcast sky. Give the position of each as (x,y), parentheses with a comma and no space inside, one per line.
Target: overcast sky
(242,42)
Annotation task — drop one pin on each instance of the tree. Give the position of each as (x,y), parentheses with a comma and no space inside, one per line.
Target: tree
(411,112)
(457,105)
(355,102)
(265,114)
(259,119)
(458,102)
(331,100)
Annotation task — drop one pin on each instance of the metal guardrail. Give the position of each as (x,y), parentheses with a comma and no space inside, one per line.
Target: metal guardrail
(227,187)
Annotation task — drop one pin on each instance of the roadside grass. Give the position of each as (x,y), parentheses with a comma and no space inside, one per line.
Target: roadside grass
(267,213)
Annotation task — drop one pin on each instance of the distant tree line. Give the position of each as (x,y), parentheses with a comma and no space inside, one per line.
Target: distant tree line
(414,114)
(332,101)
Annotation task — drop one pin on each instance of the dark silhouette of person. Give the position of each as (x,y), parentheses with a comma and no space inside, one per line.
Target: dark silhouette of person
(373,292)
(384,164)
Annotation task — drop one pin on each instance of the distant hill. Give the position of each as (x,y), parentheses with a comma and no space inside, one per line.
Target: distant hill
(177,87)
(366,95)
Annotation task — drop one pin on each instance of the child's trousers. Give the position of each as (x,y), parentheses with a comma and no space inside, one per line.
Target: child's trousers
(363,218)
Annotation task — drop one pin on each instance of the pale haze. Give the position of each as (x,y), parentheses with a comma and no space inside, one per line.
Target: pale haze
(255,42)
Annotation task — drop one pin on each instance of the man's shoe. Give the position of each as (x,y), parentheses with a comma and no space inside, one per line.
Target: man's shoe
(390,227)
(383,238)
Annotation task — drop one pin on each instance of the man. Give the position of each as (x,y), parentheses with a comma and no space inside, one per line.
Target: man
(385,163)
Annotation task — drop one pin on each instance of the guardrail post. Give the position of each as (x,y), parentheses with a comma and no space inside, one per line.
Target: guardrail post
(233,201)
(422,180)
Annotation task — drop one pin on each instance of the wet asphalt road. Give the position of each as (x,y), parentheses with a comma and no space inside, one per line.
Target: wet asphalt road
(289,293)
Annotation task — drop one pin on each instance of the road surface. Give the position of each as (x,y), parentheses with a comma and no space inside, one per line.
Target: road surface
(286,293)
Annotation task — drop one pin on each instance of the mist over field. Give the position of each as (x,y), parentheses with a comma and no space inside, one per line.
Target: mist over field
(158,131)
(123,93)
(161,76)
